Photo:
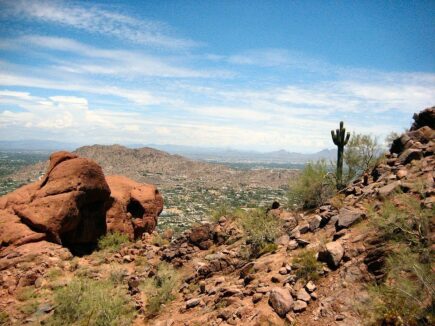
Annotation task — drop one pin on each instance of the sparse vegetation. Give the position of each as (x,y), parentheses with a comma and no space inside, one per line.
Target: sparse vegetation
(159,241)
(407,295)
(112,241)
(117,274)
(403,220)
(261,230)
(361,154)
(4,318)
(161,288)
(308,267)
(91,302)
(313,186)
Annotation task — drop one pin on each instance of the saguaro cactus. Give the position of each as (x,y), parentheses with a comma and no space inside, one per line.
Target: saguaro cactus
(340,139)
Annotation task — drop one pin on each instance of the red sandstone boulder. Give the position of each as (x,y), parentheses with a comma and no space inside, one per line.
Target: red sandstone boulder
(68,206)
(135,207)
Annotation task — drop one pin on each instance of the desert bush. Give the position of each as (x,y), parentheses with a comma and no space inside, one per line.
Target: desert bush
(260,229)
(312,187)
(160,289)
(112,241)
(90,302)
(222,209)
(306,264)
(361,154)
(406,222)
(25,293)
(406,297)
(159,241)
(4,319)
(117,274)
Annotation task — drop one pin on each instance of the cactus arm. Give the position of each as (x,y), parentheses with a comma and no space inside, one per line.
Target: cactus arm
(347,138)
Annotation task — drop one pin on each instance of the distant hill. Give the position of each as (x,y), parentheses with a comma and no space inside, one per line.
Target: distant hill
(239,156)
(209,154)
(168,170)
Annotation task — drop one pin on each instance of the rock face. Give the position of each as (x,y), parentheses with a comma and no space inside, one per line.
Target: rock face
(135,207)
(71,203)
(68,206)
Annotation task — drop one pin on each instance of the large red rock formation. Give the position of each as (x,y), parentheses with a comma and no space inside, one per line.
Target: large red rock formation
(135,206)
(68,206)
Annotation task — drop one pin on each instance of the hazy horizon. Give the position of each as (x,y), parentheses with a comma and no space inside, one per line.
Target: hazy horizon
(246,75)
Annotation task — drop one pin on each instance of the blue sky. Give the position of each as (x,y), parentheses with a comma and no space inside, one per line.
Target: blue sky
(262,75)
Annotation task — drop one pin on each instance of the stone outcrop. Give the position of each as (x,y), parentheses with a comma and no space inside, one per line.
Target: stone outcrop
(134,208)
(67,206)
(71,203)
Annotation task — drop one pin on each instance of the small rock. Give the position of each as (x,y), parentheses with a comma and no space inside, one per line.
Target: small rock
(315,223)
(401,173)
(332,254)
(310,286)
(347,217)
(339,317)
(304,227)
(192,303)
(303,295)
(283,271)
(257,297)
(292,245)
(127,259)
(280,300)
(299,306)
(388,189)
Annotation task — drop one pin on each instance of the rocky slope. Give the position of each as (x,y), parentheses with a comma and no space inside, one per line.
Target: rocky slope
(221,283)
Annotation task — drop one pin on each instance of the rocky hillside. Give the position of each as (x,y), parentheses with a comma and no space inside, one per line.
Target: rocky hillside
(363,258)
(165,170)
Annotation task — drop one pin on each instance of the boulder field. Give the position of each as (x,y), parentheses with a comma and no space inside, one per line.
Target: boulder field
(74,204)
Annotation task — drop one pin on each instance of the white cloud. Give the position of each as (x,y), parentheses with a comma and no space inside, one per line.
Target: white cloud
(90,60)
(95,19)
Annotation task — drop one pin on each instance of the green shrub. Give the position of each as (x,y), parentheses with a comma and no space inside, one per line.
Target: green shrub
(25,293)
(312,187)
(112,241)
(117,274)
(91,302)
(221,210)
(407,295)
(306,264)
(406,298)
(160,289)
(159,241)
(361,154)
(261,230)
(406,222)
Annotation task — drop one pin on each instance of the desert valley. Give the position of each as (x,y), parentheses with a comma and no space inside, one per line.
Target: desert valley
(216,163)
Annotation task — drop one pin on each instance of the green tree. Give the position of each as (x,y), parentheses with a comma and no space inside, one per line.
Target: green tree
(362,153)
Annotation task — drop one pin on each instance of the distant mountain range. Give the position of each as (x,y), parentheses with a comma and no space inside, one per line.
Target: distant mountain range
(196,153)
